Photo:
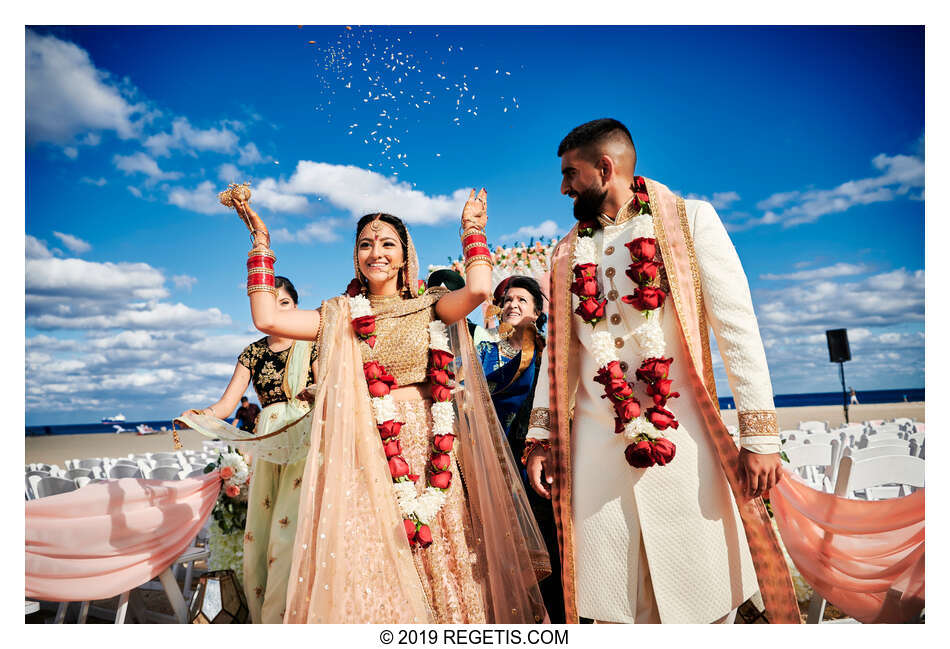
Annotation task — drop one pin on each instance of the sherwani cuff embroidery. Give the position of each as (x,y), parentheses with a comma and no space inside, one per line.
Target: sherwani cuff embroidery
(758,423)
(540,418)
(761,445)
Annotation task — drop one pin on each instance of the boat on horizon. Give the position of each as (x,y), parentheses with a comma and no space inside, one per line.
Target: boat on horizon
(114,419)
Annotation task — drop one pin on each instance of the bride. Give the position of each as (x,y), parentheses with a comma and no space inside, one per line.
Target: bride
(411,508)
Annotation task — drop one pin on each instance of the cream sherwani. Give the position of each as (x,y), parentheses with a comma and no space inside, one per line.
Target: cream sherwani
(678,521)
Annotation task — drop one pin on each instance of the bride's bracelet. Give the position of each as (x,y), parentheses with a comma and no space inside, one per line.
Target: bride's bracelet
(260,271)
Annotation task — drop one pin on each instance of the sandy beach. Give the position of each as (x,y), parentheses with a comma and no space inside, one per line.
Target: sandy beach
(56,449)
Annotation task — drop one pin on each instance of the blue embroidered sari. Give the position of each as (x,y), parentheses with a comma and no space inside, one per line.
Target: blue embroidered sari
(508,392)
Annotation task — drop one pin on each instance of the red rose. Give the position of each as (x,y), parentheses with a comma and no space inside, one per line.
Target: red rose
(389,428)
(413,476)
(354,288)
(440,359)
(661,418)
(661,390)
(441,461)
(424,536)
(645,298)
(619,425)
(374,371)
(654,369)
(442,377)
(441,480)
(398,467)
(663,451)
(644,271)
(642,248)
(619,389)
(232,491)
(443,442)
(642,198)
(591,310)
(606,374)
(392,448)
(627,409)
(364,326)
(585,270)
(371,341)
(639,184)
(422,287)
(378,388)
(441,393)
(410,530)
(585,287)
(639,455)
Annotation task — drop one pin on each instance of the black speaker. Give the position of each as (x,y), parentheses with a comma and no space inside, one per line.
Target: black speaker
(838,349)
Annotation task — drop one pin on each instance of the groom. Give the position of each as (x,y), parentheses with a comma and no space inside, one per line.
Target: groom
(659,515)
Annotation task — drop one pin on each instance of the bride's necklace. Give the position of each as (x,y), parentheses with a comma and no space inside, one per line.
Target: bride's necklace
(505,349)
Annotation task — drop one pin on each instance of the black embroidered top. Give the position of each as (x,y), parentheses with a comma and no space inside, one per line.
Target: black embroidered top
(267,370)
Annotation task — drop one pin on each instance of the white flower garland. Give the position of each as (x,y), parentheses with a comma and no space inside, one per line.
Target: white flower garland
(422,507)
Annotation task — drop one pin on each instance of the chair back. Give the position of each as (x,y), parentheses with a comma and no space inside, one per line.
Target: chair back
(165,473)
(884,450)
(812,461)
(165,461)
(32,479)
(197,473)
(855,475)
(72,474)
(51,486)
(88,463)
(814,426)
(125,471)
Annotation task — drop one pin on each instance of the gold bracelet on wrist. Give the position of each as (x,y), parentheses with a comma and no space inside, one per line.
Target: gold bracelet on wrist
(262,252)
(260,270)
(477,244)
(261,288)
(480,259)
(470,232)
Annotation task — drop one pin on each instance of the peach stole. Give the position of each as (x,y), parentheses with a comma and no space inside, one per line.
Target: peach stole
(676,247)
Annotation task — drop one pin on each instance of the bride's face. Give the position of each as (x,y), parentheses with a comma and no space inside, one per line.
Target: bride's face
(379,253)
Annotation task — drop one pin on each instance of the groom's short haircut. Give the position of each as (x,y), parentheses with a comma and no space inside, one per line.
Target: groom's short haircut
(596,132)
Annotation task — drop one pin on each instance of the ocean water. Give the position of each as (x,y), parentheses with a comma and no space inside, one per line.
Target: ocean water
(725,403)
(836,399)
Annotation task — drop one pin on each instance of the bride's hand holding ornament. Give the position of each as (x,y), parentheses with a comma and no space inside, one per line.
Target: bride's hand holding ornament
(239,197)
(475,211)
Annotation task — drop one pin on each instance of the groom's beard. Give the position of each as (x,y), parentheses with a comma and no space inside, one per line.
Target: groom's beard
(589,203)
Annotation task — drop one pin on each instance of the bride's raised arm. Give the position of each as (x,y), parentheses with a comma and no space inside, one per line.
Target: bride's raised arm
(300,324)
(454,306)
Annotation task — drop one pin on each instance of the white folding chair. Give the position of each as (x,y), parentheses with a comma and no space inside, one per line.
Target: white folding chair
(813,462)
(52,486)
(857,475)
(165,473)
(125,471)
(814,426)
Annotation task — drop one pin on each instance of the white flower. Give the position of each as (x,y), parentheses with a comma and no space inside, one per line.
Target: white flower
(603,348)
(443,416)
(359,307)
(384,408)
(650,338)
(642,226)
(429,504)
(585,252)
(227,551)
(405,497)
(438,336)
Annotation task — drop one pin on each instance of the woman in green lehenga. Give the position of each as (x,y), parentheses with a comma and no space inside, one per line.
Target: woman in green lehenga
(280,369)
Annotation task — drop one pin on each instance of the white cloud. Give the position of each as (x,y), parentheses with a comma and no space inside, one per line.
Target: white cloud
(98,182)
(890,298)
(184,281)
(154,315)
(36,249)
(324,231)
(837,270)
(274,196)
(135,191)
(203,198)
(362,192)
(899,175)
(66,95)
(250,155)
(190,139)
(71,278)
(544,230)
(719,200)
(139,162)
(228,173)
(75,244)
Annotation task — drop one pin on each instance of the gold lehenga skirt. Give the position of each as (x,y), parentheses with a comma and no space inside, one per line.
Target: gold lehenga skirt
(448,568)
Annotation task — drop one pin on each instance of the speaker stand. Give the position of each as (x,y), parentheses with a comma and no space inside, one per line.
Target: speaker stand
(844,393)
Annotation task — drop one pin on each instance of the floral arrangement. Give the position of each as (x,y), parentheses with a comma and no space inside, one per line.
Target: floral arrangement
(641,429)
(418,510)
(226,539)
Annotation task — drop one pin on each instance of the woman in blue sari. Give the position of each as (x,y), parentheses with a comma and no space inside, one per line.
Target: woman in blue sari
(511,356)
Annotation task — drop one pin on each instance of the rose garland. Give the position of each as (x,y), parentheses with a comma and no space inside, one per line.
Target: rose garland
(641,429)
(418,510)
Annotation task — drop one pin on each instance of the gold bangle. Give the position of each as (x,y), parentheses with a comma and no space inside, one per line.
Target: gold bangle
(262,252)
(532,444)
(470,232)
(260,270)
(261,288)
(486,259)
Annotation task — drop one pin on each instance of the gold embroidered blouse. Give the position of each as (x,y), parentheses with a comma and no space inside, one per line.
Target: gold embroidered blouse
(267,370)
(402,335)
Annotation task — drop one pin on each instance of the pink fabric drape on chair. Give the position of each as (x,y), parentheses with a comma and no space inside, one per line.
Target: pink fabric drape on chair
(110,537)
(865,557)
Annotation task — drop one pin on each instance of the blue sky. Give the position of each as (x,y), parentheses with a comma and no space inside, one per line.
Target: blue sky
(808,141)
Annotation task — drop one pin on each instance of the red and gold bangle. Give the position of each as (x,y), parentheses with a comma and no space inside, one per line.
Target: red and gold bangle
(530,445)
(261,288)
(478,259)
(475,238)
(479,245)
